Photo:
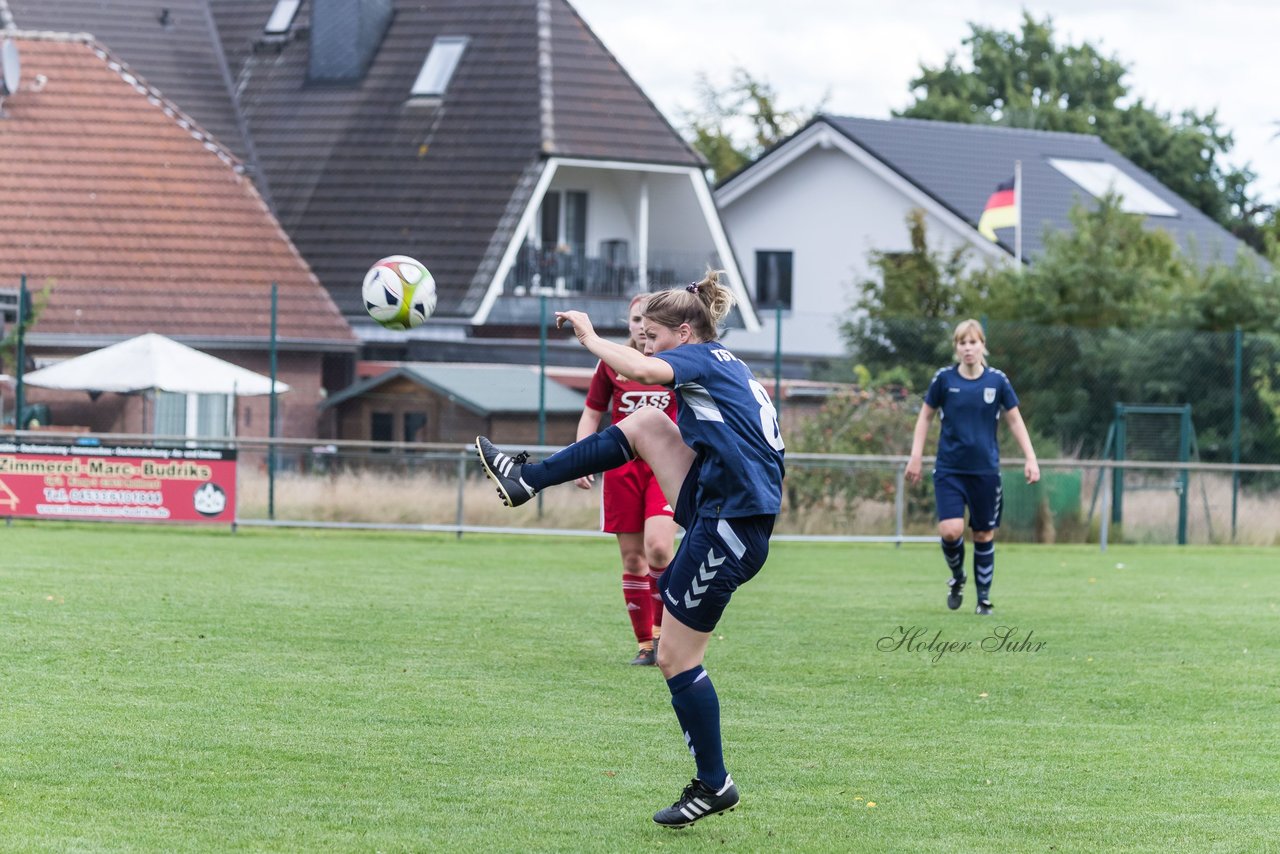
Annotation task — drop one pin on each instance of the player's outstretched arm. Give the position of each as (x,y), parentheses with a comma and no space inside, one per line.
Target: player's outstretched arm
(632,364)
(916,463)
(1019,429)
(588,423)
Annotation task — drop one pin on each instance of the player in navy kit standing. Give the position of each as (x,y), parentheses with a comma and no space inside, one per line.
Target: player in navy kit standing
(723,462)
(970,395)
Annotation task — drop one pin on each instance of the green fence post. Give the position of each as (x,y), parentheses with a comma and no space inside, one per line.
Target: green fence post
(19,400)
(271,425)
(542,369)
(1237,371)
(1184,476)
(1117,483)
(542,378)
(777,360)
(460,516)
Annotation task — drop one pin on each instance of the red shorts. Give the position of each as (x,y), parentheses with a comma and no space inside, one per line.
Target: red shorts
(631,495)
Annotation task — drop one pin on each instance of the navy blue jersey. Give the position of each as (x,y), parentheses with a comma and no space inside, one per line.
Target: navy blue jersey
(970,411)
(728,420)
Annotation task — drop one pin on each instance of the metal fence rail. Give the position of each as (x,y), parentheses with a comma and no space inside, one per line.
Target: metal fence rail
(835,498)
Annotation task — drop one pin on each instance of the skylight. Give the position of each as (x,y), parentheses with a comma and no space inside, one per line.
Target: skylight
(282,17)
(1098,178)
(439,66)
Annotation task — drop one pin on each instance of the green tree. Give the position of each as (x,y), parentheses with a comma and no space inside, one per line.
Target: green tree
(875,419)
(899,325)
(1061,325)
(36,302)
(734,125)
(1028,80)
(1110,311)
(1242,294)
(1108,271)
(1115,312)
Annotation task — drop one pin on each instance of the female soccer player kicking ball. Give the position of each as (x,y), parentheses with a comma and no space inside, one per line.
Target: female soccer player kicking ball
(970,395)
(723,461)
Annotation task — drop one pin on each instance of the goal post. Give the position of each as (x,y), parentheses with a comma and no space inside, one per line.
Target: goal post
(1155,433)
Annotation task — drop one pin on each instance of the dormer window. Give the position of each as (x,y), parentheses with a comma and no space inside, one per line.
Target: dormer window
(439,66)
(282,18)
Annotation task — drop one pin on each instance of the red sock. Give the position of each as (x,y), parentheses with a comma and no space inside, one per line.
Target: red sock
(635,590)
(655,575)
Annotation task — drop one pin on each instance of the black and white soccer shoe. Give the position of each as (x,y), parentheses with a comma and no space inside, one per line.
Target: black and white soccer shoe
(955,592)
(697,801)
(984,607)
(504,470)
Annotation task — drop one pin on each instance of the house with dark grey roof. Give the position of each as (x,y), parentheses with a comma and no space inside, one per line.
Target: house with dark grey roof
(497,141)
(804,217)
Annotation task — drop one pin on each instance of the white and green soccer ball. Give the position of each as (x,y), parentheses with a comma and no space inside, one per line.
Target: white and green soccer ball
(399,292)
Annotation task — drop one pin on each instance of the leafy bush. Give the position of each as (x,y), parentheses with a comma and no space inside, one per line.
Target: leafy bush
(873,421)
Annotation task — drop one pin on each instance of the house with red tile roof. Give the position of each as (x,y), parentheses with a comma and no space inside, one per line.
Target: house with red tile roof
(127,216)
(497,141)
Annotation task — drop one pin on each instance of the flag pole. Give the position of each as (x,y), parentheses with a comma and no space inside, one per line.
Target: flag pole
(1017,203)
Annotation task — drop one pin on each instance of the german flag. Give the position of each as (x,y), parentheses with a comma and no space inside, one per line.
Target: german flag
(1001,210)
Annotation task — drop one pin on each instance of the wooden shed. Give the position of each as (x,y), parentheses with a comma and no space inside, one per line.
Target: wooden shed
(439,402)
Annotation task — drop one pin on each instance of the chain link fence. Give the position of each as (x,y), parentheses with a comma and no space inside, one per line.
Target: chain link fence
(1159,436)
(1070,380)
(832,497)
(826,497)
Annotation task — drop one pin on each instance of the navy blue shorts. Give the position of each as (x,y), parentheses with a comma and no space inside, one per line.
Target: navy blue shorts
(981,493)
(714,558)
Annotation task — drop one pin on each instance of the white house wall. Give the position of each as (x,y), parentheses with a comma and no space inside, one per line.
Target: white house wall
(611,209)
(676,225)
(680,238)
(831,212)
(677,229)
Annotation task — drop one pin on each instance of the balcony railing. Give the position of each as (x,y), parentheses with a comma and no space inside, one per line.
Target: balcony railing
(610,274)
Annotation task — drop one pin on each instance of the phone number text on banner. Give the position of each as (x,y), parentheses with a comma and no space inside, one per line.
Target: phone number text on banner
(117,482)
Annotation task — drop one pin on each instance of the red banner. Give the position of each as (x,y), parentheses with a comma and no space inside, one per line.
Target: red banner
(116,482)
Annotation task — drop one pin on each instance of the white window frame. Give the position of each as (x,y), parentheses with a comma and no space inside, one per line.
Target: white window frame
(562,218)
(190,406)
(1098,178)
(438,68)
(282,16)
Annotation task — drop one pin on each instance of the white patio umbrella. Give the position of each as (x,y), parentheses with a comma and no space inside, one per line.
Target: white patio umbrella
(152,362)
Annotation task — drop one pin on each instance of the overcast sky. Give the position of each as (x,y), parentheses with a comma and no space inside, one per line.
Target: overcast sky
(1181,54)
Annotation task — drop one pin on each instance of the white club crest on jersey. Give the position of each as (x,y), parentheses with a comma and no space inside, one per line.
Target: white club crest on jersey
(988,395)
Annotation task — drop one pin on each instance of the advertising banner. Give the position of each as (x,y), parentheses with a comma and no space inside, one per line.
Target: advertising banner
(117,482)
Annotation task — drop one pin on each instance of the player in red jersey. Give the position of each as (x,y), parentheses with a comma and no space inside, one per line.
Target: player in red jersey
(634,507)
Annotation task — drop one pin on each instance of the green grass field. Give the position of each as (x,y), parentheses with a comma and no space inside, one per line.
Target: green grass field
(166,689)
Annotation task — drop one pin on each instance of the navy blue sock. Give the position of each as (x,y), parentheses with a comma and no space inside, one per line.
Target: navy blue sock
(698,711)
(953,551)
(598,452)
(984,567)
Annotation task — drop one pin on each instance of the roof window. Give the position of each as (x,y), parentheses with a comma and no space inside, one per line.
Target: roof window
(439,66)
(282,17)
(1099,178)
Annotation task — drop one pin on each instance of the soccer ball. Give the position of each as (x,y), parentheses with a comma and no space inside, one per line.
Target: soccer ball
(399,292)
